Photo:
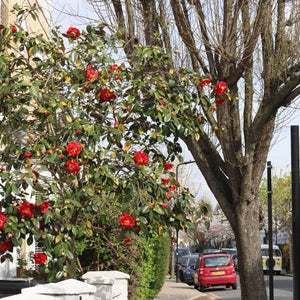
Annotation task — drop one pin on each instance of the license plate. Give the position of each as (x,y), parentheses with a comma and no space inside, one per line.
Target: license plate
(218,273)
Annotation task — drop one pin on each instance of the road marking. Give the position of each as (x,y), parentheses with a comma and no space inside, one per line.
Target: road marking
(212,296)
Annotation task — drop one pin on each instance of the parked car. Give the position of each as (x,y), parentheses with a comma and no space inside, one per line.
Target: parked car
(215,270)
(181,252)
(230,251)
(187,268)
(233,254)
(234,259)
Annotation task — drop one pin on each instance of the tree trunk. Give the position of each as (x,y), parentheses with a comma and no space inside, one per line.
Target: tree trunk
(246,231)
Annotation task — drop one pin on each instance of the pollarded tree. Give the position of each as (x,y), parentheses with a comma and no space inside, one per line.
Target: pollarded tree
(253,47)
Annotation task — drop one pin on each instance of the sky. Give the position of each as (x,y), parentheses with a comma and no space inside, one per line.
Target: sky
(280,152)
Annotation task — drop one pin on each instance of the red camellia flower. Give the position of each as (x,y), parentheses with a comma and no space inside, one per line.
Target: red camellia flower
(78,131)
(165,181)
(140,158)
(165,205)
(37,175)
(26,209)
(73,149)
(168,166)
(2,220)
(73,33)
(220,88)
(47,113)
(44,206)
(114,68)
(62,156)
(107,94)
(72,166)
(126,221)
(205,82)
(116,124)
(92,74)
(220,101)
(169,196)
(4,246)
(127,240)
(173,188)
(14,30)
(40,258)
(27,155)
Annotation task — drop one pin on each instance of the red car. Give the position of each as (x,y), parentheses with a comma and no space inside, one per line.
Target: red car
(215,269)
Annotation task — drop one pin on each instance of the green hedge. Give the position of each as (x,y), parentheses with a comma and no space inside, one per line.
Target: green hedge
(155,267)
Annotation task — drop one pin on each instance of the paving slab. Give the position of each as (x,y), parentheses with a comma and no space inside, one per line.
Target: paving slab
(179,291)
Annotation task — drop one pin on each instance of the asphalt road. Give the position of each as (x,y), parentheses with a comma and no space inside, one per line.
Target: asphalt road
(283,290)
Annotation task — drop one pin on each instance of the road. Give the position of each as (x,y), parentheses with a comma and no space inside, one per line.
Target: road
(283,290)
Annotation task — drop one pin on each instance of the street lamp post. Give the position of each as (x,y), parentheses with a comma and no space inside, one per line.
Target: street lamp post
(177,271)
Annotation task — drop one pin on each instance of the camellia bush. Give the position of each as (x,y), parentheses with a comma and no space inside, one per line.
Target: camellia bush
(88,141)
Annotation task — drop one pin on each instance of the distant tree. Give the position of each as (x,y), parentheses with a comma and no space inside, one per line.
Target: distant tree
(281,203)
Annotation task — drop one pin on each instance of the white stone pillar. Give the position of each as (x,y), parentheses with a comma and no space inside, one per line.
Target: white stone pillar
(69,289)
(120,286)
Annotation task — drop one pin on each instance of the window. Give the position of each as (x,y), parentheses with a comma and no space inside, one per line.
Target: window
(220,261)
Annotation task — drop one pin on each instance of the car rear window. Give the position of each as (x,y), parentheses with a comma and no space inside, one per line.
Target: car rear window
(219,261)
(182,252)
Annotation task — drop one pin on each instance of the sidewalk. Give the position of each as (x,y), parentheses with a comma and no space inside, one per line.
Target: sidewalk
(173,290)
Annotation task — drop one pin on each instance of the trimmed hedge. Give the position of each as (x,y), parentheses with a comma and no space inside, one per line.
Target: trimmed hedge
(155,268)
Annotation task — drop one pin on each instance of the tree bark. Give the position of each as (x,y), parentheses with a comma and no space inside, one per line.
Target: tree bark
(250,260)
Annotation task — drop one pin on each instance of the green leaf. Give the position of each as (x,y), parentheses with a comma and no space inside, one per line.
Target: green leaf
(89,28)
(159,210)
(143,220)
(145,209)
(167,117)
(74,56)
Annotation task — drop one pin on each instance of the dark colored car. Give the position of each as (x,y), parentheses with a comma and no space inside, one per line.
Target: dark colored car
(215,270)
(233,254)
(187,268)
(181,252)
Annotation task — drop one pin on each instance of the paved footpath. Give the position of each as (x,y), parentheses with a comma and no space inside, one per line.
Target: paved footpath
(173,290)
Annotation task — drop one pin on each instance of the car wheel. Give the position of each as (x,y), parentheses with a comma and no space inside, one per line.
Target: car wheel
(202,288)
(227,286)
(196,287)
(234,286)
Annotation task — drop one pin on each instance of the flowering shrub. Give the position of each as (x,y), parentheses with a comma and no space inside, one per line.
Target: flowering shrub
(87,151)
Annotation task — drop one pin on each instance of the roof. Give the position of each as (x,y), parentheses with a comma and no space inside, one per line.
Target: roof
(215,255)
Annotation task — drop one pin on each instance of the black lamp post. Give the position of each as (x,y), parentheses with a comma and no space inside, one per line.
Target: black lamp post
(177,271)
